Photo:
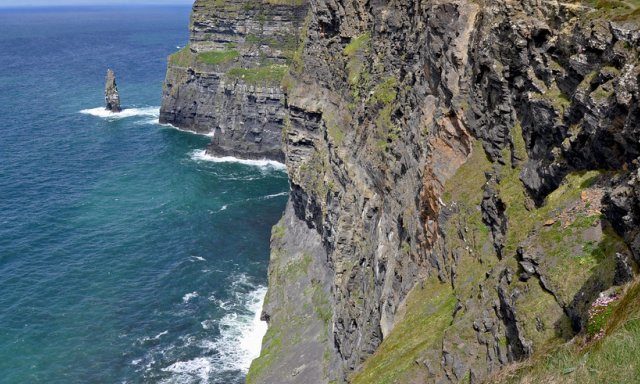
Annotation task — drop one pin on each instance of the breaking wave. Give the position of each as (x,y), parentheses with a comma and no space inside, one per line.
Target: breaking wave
(228,344)
(201,155)
(126,113)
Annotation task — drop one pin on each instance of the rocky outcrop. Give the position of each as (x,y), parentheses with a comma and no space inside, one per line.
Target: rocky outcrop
(111,95)
(452,157)
(226,81)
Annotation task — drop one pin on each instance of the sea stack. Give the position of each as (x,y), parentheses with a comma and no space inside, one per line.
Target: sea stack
(111,93)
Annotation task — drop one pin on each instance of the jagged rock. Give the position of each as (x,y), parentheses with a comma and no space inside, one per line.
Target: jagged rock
(493,214)
(519,346)
(111,93)
(528,267)
(624,270)
(622,207)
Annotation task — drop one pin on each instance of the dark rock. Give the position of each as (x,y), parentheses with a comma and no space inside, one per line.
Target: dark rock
(528,267)
(238,98)
(493,215)
(111,95)
(624,270)
(519,347)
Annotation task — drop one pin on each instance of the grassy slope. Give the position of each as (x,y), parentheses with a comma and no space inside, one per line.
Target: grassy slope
(570,261)
(615,359)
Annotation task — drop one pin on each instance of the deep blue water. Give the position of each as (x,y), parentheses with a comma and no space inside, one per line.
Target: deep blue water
(124,257)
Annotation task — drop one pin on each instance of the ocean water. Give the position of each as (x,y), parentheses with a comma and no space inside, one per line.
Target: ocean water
(126,254)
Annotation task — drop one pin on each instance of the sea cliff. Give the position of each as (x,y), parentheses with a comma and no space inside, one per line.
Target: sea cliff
(226,82)
(464,187)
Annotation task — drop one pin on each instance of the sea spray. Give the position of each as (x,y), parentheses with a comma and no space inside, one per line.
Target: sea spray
(202,155)
(125,113)
(239,343)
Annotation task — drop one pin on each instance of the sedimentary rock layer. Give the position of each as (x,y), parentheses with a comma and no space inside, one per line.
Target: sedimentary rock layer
(452,161)
(227,81)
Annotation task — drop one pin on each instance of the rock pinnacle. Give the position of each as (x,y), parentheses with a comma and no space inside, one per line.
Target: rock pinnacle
(111,93)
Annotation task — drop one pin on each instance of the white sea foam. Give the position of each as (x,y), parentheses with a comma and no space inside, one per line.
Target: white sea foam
(267,197)
(126,113)
(156,337)
(238,343)
(197,258)
(241,334)
(152,121)
(208,134)
(220,303)
(251,340)
(189,296)
(207,324)
(159,335)
(201,155)
(200,367)
(227,344)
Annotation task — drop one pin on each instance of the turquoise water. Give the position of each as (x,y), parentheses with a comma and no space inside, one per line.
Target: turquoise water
(125,255)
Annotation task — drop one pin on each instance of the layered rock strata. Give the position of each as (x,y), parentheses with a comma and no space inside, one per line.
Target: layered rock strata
(111,95)
(464,183)
(227,81)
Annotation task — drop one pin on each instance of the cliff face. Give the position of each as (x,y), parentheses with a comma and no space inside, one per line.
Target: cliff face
(227,80)
(464,184)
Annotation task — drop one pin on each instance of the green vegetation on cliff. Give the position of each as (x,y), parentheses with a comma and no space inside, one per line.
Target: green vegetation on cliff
(182,58)
(575,249)
(427,314)
(218,57)
(619,10)
(264,75)
(612,359)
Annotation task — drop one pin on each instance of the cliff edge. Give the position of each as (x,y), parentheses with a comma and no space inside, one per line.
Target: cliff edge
(226,81)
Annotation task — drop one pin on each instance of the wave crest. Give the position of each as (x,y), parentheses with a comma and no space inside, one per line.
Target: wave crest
(202,155)
(126,113)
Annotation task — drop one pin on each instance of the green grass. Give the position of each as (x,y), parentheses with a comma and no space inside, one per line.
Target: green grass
(278,230)
(218,57)
(269,74)
(428,314)
(298,267)
(182,58)
(615,359)
(555,96)
(599,320)
(357,44)
(571,262)
(386,92)
(617,10)
(355,51)
(285,328)
(271,347)
(321,304)
(336,133)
